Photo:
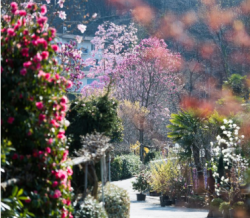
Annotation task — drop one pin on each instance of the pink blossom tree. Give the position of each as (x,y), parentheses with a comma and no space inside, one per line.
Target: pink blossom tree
(112,44)
(148,75)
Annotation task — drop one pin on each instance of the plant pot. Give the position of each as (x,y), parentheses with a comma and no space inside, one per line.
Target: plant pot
(226,214)
(141,197)
(217,214)
(162,202)
(231,213)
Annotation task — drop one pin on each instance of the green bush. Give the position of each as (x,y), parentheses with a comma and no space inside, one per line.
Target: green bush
(216,202)
(224,206)
(95,113)
(117,202)
(125,166)
(91,208)
(151,155)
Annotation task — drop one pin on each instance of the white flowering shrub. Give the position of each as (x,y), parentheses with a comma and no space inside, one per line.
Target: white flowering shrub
(91,208)
(117,202)
(228,164)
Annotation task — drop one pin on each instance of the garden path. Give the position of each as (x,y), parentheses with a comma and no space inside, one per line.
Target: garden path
(151,207)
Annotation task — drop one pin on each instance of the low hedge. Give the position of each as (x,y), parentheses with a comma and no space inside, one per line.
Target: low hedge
(125,166)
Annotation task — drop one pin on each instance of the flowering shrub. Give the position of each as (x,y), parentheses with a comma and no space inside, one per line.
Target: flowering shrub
(141,184)
(228,164)
(91,208)
(117,202)
(33,113)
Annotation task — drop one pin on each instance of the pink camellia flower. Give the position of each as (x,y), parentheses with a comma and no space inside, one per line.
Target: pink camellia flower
(22,13)
(10,120)
(48,150)
(53,32)
(63,107)
(14,6)
(60,136)
(60,174)
(64,100)
(59,118)
(27,64)
(37,58)
(64,213)
(27,200)
(57,194)
(50,141)
(54,123)
(64,201)
(7,18)
(25,32)
(43,9)
(25,52)
(54,184)
(39,105)
(41,117)
(30,5)
(42,20)
(45,55)
(68,202)
(43,42)
(15,156)
(70,215)
(69,171)
(65,155)
(55,47)
(11,32)
(69,84)
(23,71)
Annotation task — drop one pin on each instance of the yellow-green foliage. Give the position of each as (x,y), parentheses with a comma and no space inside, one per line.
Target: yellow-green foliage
(163,175)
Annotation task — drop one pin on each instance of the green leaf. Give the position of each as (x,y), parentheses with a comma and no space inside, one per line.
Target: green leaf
(14,191)
(20,192)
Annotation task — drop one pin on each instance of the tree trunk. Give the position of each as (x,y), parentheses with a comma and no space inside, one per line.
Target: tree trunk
(141,144)
(196,156)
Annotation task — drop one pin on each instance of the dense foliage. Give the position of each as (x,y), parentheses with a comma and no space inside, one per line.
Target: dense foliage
(117,202)
(90,208)
(125,166)
(95,113)
(33,114)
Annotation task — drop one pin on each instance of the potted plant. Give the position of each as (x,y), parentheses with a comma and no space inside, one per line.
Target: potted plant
(238,210)
(141,184)
(162,177)
(215,204)
(224,208)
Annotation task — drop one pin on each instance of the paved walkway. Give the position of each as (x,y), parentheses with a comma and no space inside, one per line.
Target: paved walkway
(151,207)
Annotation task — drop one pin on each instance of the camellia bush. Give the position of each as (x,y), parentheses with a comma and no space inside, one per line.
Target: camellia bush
(33,108)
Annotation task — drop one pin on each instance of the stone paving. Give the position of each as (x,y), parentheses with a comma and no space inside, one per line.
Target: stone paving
(151,207)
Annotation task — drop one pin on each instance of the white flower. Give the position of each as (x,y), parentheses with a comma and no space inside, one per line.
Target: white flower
(243,136)
(211,143)
(225,121)
(78,39)
(60,2)
(94,15)
(223,127)
(48,1)
(62,15)
(230,121)
(234,125)
(226,167)
(82,27)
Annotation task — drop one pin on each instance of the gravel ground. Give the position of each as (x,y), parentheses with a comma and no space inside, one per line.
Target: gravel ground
(151,207)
